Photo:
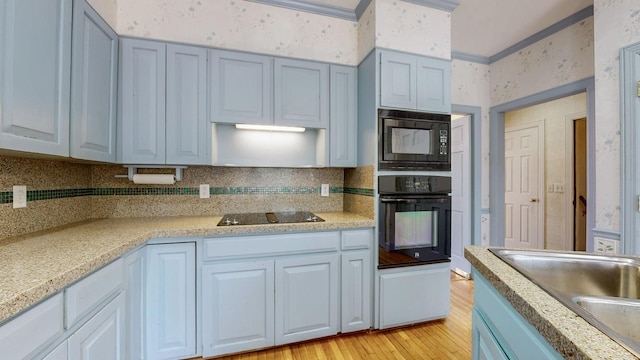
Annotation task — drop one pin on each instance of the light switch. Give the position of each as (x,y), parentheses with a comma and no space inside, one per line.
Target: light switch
(559,188)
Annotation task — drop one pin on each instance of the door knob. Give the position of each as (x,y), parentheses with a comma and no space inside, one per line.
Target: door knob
(533,200)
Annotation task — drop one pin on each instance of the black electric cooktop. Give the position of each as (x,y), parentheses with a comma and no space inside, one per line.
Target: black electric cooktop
(269,218)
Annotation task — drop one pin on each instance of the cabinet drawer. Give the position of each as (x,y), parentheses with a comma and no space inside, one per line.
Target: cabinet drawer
(23,335)
(269,245)
(84,296)
(356,239)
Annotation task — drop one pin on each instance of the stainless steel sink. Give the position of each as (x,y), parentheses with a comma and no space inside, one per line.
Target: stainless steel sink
(604,290)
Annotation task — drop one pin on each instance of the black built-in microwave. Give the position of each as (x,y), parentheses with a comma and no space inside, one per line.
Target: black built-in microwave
(410,140)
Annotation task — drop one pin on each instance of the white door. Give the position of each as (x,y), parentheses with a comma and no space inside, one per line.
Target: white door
(460,194)
(523,204)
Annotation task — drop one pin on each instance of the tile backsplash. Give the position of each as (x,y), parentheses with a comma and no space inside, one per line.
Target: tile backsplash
(60,192)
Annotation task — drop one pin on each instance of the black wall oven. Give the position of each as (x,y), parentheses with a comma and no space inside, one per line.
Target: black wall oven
(409,140)
(414,219)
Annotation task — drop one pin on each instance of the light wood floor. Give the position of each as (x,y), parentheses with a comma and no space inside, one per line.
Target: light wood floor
(442,339)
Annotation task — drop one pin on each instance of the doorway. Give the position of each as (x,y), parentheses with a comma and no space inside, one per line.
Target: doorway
(550,190)
(579,184)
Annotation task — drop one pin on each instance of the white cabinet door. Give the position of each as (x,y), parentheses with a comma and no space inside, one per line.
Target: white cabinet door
(59,353)
(186,108)
(356,290)
(135,272)
(102,337)
(171,301)
(94,85)
(237,307)
(307,292)
(301,93)
(35,66)
(344,120)
(241,87)
(398,80)
(429,288)
(433,85)
(141,124)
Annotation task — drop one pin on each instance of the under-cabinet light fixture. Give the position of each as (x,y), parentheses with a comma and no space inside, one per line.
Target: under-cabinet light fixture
(270,128)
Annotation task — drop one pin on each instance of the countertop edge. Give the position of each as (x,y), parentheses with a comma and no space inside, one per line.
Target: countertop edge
(572,336)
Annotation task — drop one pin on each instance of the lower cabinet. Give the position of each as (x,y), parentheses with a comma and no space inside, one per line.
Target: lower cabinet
(485,345)
(356,291)
(238,307)
(59,353)
(265,290)
(102,337)
(414,294)
(500,332)
(171,301)
(307,294)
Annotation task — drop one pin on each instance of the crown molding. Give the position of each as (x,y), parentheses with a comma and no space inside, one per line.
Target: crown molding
(560,25)
(456,55)
(315,8)
(446,5)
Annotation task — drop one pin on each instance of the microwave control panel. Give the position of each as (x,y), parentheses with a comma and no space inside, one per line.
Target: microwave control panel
(444,139)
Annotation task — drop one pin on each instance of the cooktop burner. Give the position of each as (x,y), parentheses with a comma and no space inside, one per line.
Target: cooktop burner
(269,218)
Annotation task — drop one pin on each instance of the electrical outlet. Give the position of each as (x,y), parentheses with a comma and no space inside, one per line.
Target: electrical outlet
(559,188)
(204,191)
(19,196)
(605,246)
(550,188)
(324,190)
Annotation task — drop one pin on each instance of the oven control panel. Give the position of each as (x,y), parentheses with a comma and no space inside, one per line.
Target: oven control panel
(444,139)
(391,184)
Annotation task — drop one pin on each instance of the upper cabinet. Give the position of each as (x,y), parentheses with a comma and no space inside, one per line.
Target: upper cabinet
(301,93)
(162,104)
(415,82)
(94,79)
(256,89)
(241,88)
(344,122)
(35,65)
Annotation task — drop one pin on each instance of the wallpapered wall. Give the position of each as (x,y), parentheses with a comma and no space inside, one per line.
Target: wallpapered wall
(617,24)
(470,86)
(553,114)
(559,59)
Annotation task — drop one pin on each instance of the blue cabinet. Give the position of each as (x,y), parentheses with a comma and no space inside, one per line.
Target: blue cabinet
(171,301)
(241,88)
(301,93)
(307,293)
(141,123)
(94,80)
(187,137)
(344,118)
(238,307)
(500,332)
(34,79)
(163,104)
(415,82)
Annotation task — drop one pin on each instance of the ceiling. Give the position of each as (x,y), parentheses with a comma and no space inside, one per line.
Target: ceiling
(486,27)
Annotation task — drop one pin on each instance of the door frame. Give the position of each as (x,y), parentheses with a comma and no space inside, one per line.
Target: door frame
(496,152)
(542,213)
(475,158)
(630,163)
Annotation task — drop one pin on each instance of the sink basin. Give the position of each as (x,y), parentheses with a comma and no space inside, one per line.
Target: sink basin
(604,290)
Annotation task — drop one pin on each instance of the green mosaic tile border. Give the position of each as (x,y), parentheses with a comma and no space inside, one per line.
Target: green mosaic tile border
(359,191)
(6,197)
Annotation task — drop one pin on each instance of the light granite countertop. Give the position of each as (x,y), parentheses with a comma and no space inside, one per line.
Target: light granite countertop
(568,333)
(37,265)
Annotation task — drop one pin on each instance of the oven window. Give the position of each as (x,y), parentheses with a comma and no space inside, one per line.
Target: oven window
(416,229)
(410,141)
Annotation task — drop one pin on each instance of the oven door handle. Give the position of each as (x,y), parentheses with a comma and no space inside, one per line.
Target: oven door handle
(403,201)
